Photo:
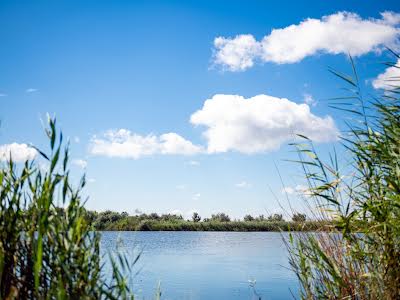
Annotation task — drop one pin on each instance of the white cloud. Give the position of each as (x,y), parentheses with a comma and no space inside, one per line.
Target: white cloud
(338,33)
(80,163)
(18,152)
(77,139)
(31,90)
(91,180)
(288,190)
(309,99)
(180,187)
(196,196)
(243,185)
(391,77)
(258,124)
(123,143)
(193,163)
(297,190)
(236,54)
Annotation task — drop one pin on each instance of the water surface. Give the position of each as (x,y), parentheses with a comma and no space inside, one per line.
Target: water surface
(207,265)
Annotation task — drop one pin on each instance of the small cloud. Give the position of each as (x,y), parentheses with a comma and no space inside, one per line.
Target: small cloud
(3,95)
(180,187)
(193,163)
(243,185)
(31,90)
(196,196)
(91,180)
(309,99)
(288,190)
(17,152)
(76,139)
(80,163)
(297,190)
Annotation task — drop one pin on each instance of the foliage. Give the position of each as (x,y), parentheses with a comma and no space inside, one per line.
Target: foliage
(298,217)
(149,222)
(359,258)
(275,217)
(220,217)
(48,252)
(196,217)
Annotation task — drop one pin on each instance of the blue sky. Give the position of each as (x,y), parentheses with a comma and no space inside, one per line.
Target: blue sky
(119,75)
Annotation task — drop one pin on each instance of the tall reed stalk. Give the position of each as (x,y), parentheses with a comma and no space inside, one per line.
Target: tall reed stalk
(358,257)
(47,248)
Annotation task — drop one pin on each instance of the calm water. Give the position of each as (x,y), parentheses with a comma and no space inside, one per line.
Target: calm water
(207,265)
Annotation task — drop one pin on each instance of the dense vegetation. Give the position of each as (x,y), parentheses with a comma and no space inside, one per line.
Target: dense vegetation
(47,252)
(360,258)
(109,220)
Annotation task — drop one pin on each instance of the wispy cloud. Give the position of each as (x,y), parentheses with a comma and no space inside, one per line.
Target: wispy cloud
(193,163)
(80,163)
(243,185)
(296,190)
(309,99)
(180,187)
(31,90)
(342,32)
(196,196)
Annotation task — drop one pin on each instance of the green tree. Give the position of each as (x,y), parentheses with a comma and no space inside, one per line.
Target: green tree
(196,217)
(248,218)
(298,217)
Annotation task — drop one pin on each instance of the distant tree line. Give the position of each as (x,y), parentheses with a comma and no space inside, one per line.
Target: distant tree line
(109,220)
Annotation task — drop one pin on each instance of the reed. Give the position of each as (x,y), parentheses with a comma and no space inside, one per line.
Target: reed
(358,258)
(48,250)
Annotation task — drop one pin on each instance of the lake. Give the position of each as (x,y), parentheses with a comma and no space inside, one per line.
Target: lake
(207,265)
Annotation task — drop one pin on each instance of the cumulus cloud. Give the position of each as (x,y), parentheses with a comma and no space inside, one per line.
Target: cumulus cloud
(80,163)
(258,124)
(389,78)
(343,32)
(18,152)
(125,144)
